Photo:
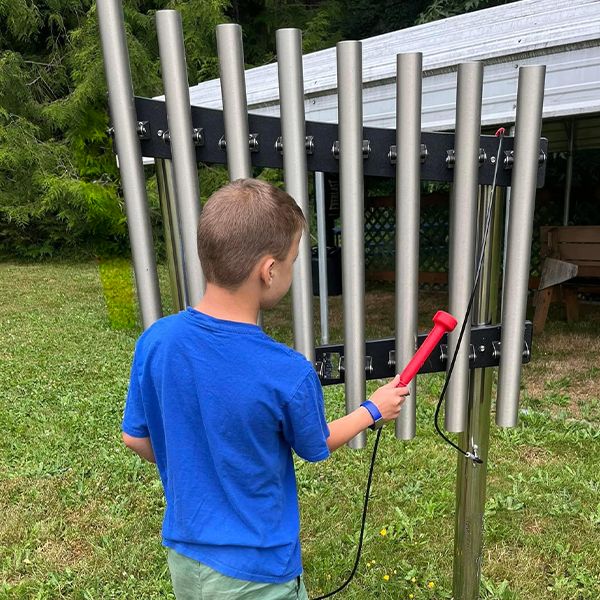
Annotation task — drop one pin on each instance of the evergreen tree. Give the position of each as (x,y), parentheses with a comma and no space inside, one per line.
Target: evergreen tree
(58,177)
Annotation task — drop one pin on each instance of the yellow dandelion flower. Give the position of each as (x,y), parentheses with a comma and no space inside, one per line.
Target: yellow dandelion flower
(413,580)
(411,595)
(395,572)
(386,577)
(431,585)
(383,532)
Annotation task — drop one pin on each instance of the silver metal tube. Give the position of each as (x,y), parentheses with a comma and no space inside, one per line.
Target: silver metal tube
(569,173)
(471,477)
(408,205)
(511,133)
(528,125)
(166,196)
(185,169)
(463,211)
(350,132)
(124,120)
(293,131)
(233,92)
(322,254)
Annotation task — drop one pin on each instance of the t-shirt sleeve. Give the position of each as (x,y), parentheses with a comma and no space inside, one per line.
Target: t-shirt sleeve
(134,418)
(305,427)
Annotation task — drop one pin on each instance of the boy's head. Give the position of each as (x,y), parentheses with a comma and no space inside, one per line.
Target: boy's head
(242,223)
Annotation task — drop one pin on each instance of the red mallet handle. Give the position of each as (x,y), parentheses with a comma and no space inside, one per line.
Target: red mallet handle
(443,322)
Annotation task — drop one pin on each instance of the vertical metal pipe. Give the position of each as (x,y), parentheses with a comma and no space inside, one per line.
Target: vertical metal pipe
(233,92)
(124,120)
(166,196)
(322,254)
(462,232)
(511,133)
(185,169)
(408,204)
(528,125)
(350,133)
(471,477)
(293,131)
(569,173)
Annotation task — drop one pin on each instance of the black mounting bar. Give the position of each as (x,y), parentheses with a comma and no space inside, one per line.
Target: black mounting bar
(437,149)
(380,355)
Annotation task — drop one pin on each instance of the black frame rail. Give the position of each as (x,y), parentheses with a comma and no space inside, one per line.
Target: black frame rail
(485,351)
(437,149)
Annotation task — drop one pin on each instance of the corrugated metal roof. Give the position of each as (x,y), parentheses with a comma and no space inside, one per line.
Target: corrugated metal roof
(564,35)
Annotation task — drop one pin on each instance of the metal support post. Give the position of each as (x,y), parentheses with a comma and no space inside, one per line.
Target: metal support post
(293,132)
(530,97)
(408,205)
(569,174)
(124,120)
(350,132)
(471,477)
(462,231)
(322,254)
(168,207)
(185,169)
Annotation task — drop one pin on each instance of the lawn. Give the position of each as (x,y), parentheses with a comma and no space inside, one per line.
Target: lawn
(81,515)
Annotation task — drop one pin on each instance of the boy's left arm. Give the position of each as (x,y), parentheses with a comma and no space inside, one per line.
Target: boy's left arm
(141,446)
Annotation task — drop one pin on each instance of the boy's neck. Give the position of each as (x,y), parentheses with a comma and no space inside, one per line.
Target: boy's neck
(228,305)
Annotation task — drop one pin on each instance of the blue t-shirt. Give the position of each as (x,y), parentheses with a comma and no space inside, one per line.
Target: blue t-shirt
(224,405)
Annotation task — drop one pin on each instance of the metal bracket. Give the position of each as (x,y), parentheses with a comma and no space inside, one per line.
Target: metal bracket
(380,361)
(393,154)
(198,136)
(509,158)
(143,130)
(366,149)
(451,157)
(497,350)
(368,364)
(309,144)
(253,143)
(164,135)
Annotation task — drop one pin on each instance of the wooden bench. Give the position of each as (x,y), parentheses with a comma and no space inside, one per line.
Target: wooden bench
(571,263)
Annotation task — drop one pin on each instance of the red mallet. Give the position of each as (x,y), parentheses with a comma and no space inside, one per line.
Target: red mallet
(443,323)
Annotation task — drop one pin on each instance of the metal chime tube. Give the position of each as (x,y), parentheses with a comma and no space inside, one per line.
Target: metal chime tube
(471,477)
(233,91)
(293,132)
(322,254)
(463,211)
(185,170)
(124,120)
(408,203)
(350,132)
(166,196)
(528,124)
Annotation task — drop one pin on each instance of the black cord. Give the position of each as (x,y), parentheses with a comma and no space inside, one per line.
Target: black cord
(362,525)
(469,455)
(484,240)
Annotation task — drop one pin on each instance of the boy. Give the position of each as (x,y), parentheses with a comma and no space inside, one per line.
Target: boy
(219,406)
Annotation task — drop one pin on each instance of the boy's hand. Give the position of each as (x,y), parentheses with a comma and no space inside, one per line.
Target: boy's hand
(389,398)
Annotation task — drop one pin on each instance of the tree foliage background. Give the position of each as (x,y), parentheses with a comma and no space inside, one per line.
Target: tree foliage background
(59,185)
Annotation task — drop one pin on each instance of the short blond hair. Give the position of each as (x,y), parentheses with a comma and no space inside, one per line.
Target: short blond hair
(241,223)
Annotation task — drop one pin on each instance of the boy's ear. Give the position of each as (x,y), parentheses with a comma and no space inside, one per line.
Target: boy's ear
(266,270)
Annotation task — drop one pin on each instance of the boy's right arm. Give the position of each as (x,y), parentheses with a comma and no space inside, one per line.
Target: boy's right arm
(388,399)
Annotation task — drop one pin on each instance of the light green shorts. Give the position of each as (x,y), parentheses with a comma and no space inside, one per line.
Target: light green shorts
(193,580)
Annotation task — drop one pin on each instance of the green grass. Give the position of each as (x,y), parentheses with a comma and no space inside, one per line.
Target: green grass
(81,515)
